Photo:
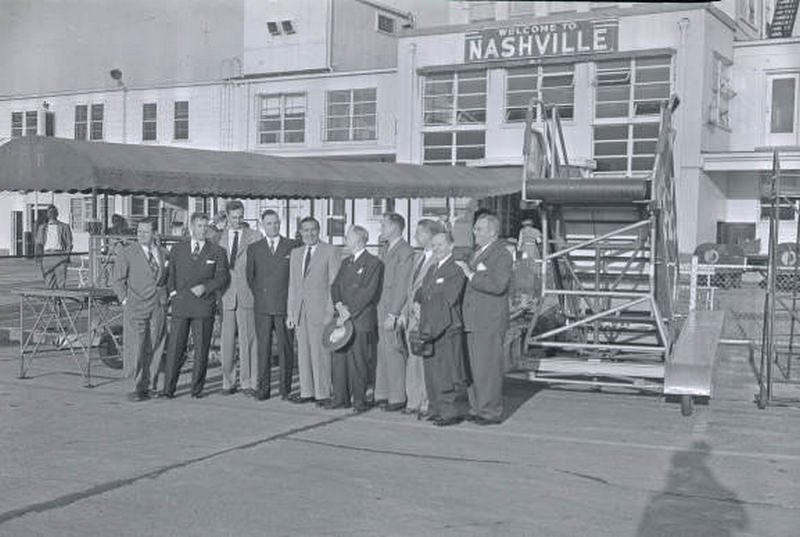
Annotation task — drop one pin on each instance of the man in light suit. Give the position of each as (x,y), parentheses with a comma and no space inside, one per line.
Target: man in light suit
(485,313)
(54,240)
(355,293)
(237,305)
(139,281)
(312,269)
(268,277)
(416,388)
(398,261)
(198,271)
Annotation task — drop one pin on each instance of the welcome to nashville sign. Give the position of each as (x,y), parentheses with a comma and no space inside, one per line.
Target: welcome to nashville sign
(542,40)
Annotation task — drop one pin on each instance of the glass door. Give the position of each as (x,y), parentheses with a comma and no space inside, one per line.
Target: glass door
(782,110)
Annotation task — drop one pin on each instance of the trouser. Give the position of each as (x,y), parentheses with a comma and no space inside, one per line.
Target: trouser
(351,369)
(313,360)
(416,391)
(143,346)
(390,374)
(239,321)
(54,270)
(265,324)
(444,378)
(485,351)
(202,328)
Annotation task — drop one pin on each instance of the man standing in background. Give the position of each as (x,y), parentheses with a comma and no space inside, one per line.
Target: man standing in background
(313,268)
(54,239)
(139,281)
(268,277)
(485,313)
(398,263)
(238,317)
(416,390)
(198,270)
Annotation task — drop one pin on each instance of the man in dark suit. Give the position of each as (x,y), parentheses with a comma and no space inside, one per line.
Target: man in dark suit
(268,278)
(441,325)
(139,281)
(486,319)
(355,293)
(54,241)
(198,271)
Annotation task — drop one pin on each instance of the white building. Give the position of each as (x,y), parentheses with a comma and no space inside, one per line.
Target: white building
(366,80)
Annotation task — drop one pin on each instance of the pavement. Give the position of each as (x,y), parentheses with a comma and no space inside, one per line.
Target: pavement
(83,462)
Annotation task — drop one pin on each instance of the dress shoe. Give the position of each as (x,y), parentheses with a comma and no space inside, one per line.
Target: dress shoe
(298,399)
(322,403)
(228,391)
(380,403)
(446,422)
(334,406)
(432,417)
(138,396)
(198,395)
(479,420)
(408,411)
(248,392)
(261,396)
(360,409)
(165,395)
(394,407)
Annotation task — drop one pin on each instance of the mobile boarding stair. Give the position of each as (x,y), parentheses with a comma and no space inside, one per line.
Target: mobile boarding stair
(610,266)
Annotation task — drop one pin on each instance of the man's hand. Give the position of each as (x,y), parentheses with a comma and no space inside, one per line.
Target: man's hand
(199,290)
(124,301)
(465,268)
(390,322)
(289,324)
(344,313)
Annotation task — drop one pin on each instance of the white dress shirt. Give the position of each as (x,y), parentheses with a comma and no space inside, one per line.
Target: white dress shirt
(52,242)
(443,261)
(357,254)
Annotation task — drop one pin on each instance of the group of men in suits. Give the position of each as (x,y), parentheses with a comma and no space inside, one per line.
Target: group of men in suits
(271,289)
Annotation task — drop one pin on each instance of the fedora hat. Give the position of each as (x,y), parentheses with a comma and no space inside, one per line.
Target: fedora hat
(334,337)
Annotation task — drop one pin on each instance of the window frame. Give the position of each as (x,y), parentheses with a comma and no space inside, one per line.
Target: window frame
(351,116)
(281,133)
(151,122)
(392,20)
(176,121)
(83,124)
(96,127)
(455,112)
(18,119)
(630,75)
(540,75)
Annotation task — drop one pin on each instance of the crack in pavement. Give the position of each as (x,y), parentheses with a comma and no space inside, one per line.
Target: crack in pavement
(69,499)
(394,452)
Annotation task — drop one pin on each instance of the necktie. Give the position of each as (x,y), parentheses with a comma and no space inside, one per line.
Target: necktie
(307,261)
(272,246)
(152,261)
(234,249)
(418,268)
(196,251)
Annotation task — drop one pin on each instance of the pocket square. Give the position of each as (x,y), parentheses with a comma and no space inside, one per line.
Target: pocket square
(210,261)
(360,271)
(481,267)
(440,280)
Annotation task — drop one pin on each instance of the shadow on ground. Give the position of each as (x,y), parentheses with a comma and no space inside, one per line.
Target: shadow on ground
(693,502)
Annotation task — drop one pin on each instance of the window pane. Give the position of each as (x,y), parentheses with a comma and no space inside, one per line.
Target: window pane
(613,93)
(651,91)
(338,135)
(611,109)
(658,74)
(517,83)
(81,112)
(551,81)
(645,148)
(181,130)
(470,153)
(437,138)
(611,132)
(367,94)
(80,131)
(647,108)
(364,134)
(97,112)
(268,138)
(149,111)
(645,130)
(297,137)
(471,116)
(340,110)
(149,131)
(181,109)
(783,105)
(31,122)
(612,164)
(610,148)
(96,132)
(437,153)
(339,96)
(470,137)
(642,163)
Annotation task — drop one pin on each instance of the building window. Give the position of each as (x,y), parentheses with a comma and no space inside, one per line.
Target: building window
(81,122)
(31,123)
(721,93)
(625,149)
(337,217)
(453,148)
(149,122)
(144,206)
(782,114)
(553,84)
(96,122)
(786,209)
(380,206)
(287,27)
(272,28)
(352,115)
(16,124)
(81,212)
(49,123)
(631,88)
(181,131)
(282,119)
(76,214)
(204,206)
(455,98)
(385,24)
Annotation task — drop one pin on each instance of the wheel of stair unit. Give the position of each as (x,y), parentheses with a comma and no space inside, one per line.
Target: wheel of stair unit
(687,405)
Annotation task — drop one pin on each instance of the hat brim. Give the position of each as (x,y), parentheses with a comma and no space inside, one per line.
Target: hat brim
(335,337)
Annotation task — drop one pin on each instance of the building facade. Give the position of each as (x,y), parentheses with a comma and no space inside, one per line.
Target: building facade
(359,79)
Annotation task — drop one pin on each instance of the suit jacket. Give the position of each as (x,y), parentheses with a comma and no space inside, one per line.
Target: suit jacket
(358,286)
(64,237)
(411,309)
(398,263)
(237,292)
(268,275)
(135,280)
(184,272)
(486,298)
(312,291)
(440,297)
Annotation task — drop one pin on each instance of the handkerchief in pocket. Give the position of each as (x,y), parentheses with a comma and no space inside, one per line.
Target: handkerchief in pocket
(440,280)
(210,261)
(481,267)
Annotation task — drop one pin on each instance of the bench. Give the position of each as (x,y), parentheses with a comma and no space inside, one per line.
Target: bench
(689,371)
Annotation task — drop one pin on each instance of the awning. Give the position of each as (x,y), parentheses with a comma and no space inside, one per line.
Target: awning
(37,163)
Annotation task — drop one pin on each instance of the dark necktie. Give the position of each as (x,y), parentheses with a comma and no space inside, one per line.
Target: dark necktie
(272,246)
(196,251)
(152,261)
(307,261)
(234,249)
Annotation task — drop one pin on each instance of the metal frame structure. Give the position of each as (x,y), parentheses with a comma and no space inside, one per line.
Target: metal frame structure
(609,262)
